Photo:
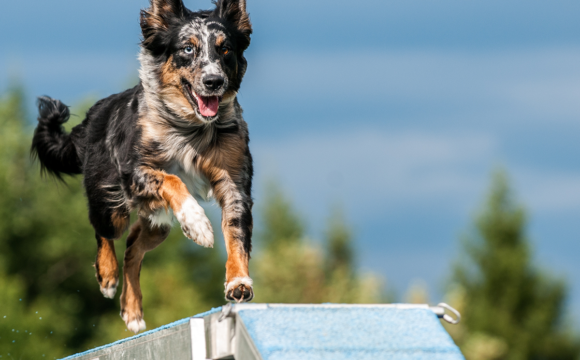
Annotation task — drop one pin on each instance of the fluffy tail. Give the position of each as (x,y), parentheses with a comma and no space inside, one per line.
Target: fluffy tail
(53,147)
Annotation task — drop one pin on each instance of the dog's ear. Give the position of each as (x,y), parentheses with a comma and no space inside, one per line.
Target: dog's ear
(234,11)
(158,17)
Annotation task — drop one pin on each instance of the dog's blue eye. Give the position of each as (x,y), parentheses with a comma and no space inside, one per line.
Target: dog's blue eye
(188,50)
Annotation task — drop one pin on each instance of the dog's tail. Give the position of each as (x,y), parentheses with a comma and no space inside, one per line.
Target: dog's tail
(54,148)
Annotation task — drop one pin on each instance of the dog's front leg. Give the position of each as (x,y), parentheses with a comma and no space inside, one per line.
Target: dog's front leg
(166,190)
(156,191)
(237,227)
(191,216)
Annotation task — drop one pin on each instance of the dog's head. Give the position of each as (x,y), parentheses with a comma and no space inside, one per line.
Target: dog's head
(194,61)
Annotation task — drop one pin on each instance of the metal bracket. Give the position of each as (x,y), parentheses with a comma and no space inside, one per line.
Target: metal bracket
(226,312)
(439,310)
(198,339)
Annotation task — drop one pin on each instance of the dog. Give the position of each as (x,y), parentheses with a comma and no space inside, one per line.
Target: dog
(176,137)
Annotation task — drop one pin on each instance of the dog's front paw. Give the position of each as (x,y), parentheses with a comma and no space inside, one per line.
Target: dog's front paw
(134,322)
(239,289)
(194,224)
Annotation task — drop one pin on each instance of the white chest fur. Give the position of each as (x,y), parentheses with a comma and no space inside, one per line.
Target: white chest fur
(197,184)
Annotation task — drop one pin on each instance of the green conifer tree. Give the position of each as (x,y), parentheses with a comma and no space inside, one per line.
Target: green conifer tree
(290,268)
(511,309)
(285,268)
(339,248)
(280,222)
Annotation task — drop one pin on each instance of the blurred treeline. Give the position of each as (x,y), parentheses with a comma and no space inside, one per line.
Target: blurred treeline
(51,306)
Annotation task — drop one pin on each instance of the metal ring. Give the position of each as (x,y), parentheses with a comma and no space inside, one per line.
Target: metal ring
(448,318)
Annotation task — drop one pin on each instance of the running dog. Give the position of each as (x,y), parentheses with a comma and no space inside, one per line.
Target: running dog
(176,137)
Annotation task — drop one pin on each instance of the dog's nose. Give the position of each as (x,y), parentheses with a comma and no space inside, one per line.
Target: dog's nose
(213,82)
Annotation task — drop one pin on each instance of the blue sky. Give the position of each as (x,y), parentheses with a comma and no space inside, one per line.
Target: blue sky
(398,110)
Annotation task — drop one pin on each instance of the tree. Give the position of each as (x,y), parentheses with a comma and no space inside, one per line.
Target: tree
(339,249)
(511,310)
(280,224)
(290,268)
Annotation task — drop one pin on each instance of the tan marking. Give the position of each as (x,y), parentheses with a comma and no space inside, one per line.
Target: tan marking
(227,158)
(169,75)
(237,263)
(172,91)
(165,190)
(220,40)
(106,263)
(194,40)
(174,192)
(142,239)
(120,220)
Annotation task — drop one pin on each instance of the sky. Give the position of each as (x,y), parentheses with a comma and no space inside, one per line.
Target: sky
(398,111)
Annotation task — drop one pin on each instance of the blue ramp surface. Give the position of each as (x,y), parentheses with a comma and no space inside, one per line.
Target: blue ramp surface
(348,332)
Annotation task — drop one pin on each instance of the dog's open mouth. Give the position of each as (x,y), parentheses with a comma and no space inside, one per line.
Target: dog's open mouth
(207,105)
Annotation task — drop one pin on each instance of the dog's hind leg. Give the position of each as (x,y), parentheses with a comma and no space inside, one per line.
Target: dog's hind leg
(106,265)
(142,238)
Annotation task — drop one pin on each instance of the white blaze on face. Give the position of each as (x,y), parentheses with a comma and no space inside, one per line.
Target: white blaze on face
(206,36)
(212,67)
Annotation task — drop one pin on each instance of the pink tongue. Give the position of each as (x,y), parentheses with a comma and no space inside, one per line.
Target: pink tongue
(208,106)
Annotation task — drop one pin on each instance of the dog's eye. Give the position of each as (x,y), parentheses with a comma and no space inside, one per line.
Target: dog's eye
(225,50)
(188,49)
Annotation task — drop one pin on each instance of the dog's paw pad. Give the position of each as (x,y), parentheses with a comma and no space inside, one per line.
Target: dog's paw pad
(239,290)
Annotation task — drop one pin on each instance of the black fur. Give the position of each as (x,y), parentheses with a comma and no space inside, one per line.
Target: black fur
(56,150)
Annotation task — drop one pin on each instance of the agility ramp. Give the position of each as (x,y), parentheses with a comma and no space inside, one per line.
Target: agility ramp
(294,332)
